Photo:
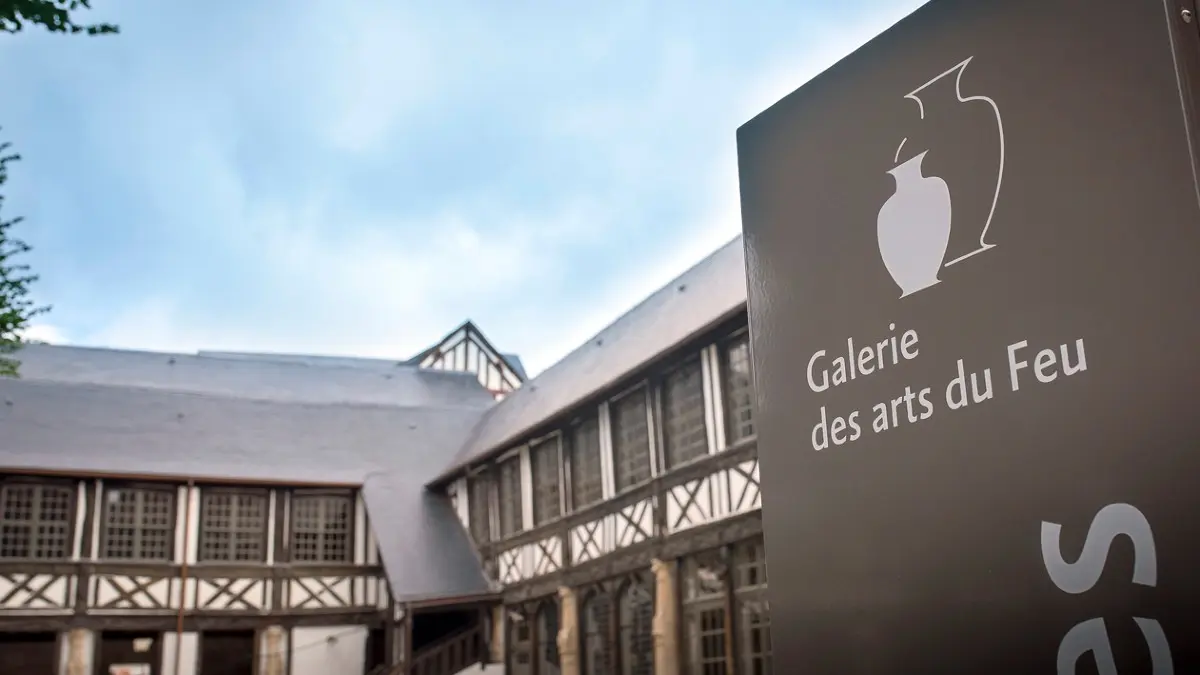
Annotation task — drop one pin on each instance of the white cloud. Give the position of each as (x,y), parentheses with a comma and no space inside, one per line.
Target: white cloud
(719,189)
(378,282)
(43,332)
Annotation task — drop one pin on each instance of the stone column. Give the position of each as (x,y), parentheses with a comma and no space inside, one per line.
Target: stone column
(272,656)
(499,621)
(666,619)
(79,652)
(568,632)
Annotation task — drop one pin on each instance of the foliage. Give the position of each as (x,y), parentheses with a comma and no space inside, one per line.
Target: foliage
(53,15)
(16,309)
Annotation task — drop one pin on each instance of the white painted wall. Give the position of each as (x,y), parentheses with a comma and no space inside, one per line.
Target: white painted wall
(188,645)
(328,650)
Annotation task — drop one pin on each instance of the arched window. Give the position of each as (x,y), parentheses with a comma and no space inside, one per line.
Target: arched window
(753,613)
(520,642)
(547,639)
(704,598)
(636,614)
(596,617)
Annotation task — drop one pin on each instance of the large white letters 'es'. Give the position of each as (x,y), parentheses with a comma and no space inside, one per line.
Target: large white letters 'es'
(1080,576)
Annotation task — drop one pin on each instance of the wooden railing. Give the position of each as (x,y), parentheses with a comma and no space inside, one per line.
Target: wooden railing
(449,655)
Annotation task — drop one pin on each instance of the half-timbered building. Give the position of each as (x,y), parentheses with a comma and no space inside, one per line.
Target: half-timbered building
(226,513)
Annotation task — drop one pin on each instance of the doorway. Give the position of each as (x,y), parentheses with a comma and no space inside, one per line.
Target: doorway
(128,653)
(227,652)
(28,653)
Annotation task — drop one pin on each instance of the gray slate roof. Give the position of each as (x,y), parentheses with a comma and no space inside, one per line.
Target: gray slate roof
(269,378)
(706,293)
(85,411)
(77,427)
(427,556)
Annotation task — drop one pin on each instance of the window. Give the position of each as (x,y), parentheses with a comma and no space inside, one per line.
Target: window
(479,489)
(547,639)
(139,524)
(510,496)
(684,432)
(631,439)
(636,612)
(752,611)
(520,644)
(739,389)
(704,614)
(586,476)
(597,623)
(233,526)
(544,460)
(35,521)
(321,528)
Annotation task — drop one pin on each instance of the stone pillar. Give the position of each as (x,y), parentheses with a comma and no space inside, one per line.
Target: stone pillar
(568,632)
(273,656)
(499,621)
(666,619)
(79,652)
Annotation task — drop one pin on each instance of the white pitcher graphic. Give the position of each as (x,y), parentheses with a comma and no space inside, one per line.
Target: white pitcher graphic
(914,223)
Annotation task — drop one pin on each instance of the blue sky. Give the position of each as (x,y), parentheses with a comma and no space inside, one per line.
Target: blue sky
(357,177)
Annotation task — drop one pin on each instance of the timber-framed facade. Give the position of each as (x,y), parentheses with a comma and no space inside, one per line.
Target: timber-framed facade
(241,514)
(652,481)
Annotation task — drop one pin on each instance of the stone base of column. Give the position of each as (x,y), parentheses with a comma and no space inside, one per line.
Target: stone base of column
(666,619)
(78,648)
(568,632)
(273,651)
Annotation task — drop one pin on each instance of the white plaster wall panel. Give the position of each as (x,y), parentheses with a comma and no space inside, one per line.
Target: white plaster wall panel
(632,524)
(132,592)
(547,556)
(230,594)
(360,530)
(333,650)
(36,591)
(191,510)
(690,504)
(320,592)
(188,646)
(81,507)
(272,505)
(744,492)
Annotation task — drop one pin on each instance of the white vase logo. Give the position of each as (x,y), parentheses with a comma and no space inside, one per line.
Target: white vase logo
(914,223)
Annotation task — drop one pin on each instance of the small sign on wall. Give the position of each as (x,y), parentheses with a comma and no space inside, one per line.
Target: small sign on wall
(129,669)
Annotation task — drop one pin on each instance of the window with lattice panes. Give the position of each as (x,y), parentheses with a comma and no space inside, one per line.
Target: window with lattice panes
(547,639)
(635,609)
(596,612)
(479,490)
(35,521)
(233,526)
(587,478)
(738,387)
(684,431)
(322,528)
(139,524)
(752,608)
(544,460)
(704,614)
(631,439)
(510,496)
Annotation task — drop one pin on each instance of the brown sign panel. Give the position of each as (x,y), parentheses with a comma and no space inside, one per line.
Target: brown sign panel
(974,259)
